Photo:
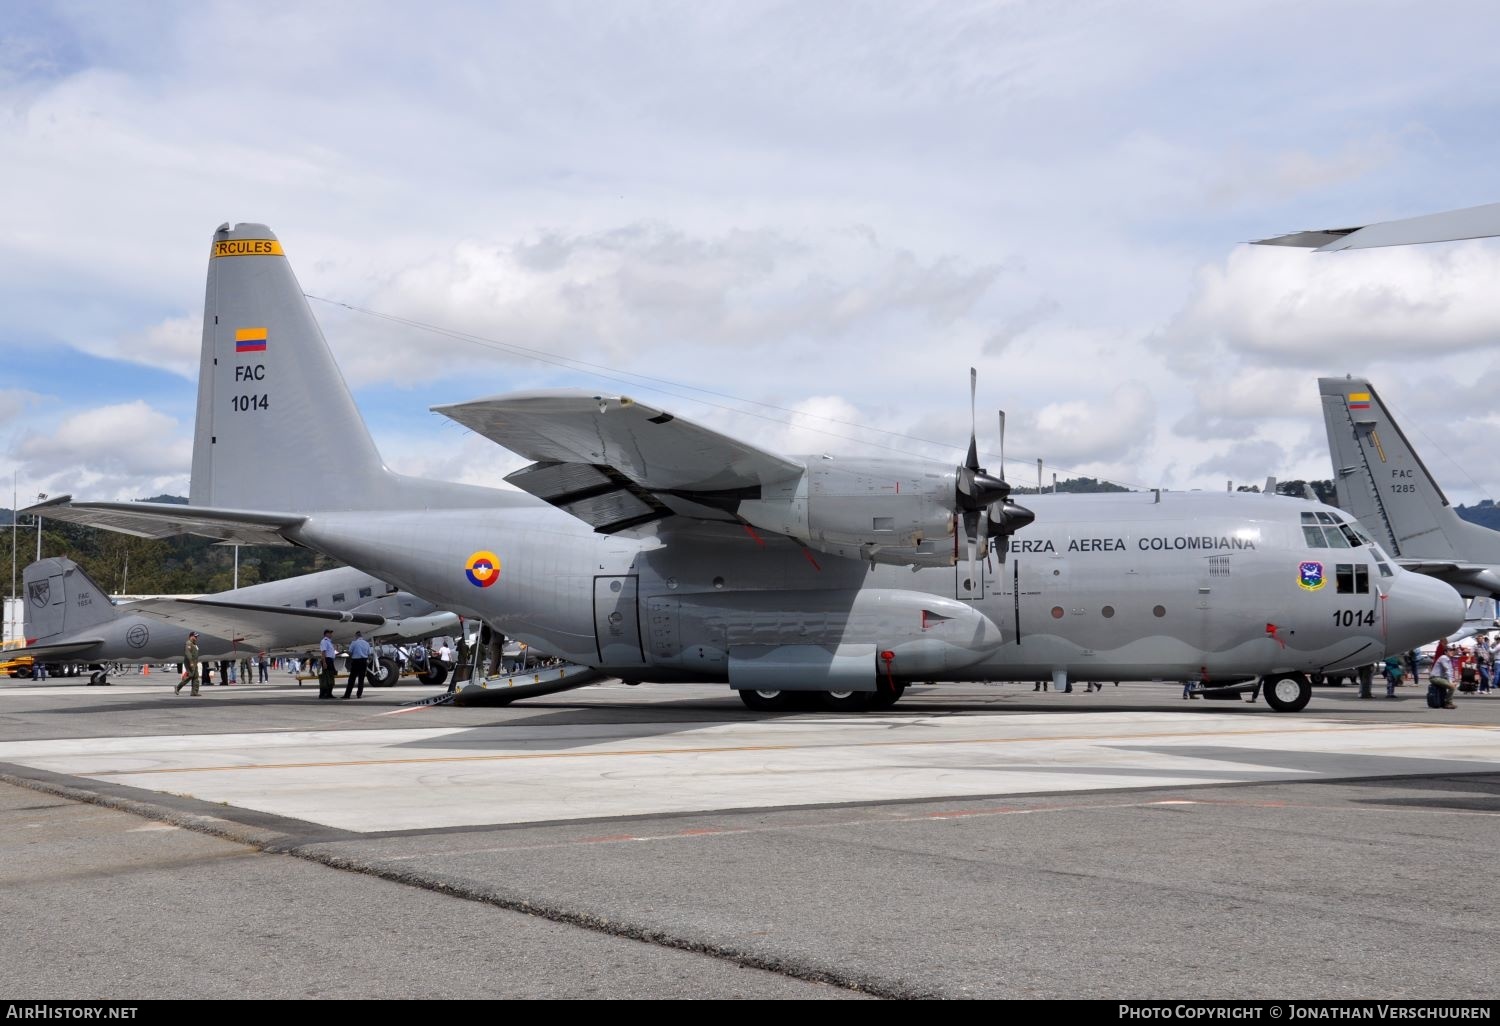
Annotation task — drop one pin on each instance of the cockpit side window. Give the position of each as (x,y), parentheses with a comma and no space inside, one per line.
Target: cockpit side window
(1314,537)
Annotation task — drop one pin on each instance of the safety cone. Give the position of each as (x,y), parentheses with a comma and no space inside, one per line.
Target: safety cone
(145,669)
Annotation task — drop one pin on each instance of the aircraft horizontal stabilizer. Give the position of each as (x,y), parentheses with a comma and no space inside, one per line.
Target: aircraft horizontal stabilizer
(168,520)
(1480,222)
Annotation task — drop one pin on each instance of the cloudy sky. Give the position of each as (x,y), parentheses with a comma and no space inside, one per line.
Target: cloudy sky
(799,222)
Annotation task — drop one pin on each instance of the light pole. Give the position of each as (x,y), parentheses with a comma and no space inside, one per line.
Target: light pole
(14,502)
(40,497)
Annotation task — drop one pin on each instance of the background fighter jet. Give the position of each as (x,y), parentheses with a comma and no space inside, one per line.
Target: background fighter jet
(70,618)
(1380,479)
(652,548)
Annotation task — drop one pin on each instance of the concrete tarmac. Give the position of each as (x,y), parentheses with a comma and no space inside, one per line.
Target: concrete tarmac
(662,841)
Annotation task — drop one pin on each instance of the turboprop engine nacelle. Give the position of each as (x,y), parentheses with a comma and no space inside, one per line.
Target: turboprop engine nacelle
(886,511)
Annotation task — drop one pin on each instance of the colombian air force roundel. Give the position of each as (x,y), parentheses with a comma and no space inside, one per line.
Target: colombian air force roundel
(482,569)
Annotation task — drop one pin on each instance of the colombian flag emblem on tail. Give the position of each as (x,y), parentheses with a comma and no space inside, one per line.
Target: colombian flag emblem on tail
(1359,400)
(250,340)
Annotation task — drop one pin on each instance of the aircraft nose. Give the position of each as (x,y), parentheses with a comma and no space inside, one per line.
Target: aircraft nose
(1420,609)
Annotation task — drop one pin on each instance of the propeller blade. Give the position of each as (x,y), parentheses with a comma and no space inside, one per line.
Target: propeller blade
(972,461)
(1002,445)
(971,534)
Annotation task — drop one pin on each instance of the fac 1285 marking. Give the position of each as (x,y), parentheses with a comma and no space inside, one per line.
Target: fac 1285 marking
(1354,618)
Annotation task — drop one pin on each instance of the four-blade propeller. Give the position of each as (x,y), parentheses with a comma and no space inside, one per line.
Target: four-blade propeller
(983,500)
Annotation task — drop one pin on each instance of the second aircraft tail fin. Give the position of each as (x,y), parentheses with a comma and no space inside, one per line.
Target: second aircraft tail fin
(61,600)
(1384,484)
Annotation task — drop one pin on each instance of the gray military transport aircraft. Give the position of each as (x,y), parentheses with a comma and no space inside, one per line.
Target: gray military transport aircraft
(69,617)
(1379,479)
(653,548)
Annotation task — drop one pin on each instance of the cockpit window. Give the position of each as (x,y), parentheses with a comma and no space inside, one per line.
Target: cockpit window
(1352,536)
(1314,536)
(1326,518)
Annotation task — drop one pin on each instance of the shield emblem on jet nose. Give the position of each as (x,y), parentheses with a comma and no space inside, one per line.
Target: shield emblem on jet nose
(40,592)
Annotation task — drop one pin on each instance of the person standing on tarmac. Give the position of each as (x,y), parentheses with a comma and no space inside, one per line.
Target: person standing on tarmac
(359,665)
(190,665)
(325,674)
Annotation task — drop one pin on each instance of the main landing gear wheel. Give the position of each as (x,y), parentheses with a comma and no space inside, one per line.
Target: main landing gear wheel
(765,701)
(845,701)
(435,674)
(1288,693)
(885,696)
(385,672)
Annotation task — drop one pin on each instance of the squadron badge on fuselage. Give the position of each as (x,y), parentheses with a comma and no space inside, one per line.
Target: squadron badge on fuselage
(1310,576)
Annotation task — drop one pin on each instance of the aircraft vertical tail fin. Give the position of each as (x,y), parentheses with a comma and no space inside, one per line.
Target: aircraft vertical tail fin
(62,600)
(270,397)
(1384,484)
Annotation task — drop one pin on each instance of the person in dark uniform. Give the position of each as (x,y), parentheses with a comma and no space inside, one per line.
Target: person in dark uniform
(359,666)
(325,674)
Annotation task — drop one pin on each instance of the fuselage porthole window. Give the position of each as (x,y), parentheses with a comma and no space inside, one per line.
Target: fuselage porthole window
(1108,611)
(1159,611)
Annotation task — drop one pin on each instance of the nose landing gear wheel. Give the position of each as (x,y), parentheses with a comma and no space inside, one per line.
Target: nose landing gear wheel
(765,701)
(1288,693)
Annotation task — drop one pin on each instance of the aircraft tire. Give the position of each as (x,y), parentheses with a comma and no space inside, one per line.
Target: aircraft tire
(385,672)
(885,698)
(765,701)
(94,678)
(435,675)
(1288,692)
(846,701)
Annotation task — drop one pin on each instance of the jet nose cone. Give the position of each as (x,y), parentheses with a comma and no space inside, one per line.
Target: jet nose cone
(1421,609)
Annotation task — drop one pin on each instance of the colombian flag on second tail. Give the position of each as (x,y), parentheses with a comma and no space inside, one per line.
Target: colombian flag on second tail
(1359,400)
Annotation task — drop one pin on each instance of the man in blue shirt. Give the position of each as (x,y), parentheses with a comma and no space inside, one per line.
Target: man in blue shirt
(359,665)
(325,675)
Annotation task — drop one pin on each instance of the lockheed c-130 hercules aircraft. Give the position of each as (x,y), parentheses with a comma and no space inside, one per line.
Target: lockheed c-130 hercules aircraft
(653,548)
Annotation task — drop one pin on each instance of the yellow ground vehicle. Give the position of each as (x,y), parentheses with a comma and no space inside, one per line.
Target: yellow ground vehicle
(17,667)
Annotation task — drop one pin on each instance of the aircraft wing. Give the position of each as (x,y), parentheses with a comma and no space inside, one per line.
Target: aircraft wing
(615,463)
(62,648)
(256,626)
(168,520)
(1470,223)
(1468,577)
